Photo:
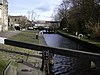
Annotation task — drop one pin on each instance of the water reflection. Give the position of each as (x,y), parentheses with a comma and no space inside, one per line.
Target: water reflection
(64,65)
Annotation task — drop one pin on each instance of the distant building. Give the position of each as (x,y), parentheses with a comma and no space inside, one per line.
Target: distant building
(3,15)
(17,20)
(55,24)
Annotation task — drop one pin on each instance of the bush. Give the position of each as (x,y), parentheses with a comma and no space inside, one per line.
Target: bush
(97,34)
(3,65)
(40,28)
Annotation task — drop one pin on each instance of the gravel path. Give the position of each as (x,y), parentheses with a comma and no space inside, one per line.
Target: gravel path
(8,34)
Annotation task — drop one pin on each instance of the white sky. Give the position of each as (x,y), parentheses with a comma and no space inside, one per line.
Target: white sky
(43,8)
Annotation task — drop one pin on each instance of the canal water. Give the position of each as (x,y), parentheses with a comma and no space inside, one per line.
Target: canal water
(66,65)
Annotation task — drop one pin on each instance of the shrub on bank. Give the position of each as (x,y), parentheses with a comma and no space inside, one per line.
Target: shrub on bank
(3,65)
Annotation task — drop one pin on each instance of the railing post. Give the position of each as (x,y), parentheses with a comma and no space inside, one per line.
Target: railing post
(42,67)
(46,62)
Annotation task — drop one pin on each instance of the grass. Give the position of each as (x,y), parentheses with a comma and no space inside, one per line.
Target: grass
(17,49)
(15,64)
(29,37)
(3,65)
(26,36)
(84,39)
(91,41)
(95,42)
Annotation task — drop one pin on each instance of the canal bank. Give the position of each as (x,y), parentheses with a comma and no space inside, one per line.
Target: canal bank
(89,47)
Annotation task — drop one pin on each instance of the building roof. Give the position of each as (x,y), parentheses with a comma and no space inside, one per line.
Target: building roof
(18,17)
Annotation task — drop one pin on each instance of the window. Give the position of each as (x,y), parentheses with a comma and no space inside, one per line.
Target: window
(15,19)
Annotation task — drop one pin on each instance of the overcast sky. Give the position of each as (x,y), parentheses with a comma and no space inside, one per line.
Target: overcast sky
(44,8)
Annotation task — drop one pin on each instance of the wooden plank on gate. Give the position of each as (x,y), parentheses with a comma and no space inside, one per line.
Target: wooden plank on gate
(55,50)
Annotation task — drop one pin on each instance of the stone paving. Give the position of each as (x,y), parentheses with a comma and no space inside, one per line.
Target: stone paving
(26,70)
(8,33)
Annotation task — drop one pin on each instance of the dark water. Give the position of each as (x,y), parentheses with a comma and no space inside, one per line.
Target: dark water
(65,65)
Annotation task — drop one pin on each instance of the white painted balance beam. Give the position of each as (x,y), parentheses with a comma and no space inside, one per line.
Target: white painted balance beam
(2,40)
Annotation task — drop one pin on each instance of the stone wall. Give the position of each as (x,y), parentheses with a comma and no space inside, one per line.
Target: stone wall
(21,20)
(4,16)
